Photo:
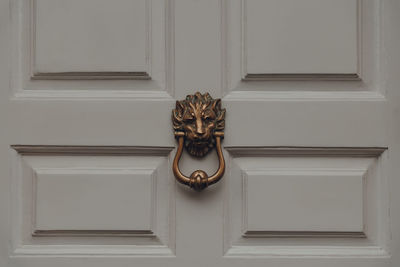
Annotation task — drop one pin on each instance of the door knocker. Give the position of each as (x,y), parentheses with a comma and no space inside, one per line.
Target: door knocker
(199,123)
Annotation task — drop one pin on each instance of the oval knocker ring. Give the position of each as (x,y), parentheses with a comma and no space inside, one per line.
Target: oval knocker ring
(199,123)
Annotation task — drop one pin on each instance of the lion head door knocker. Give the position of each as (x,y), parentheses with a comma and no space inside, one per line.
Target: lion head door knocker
(199,123)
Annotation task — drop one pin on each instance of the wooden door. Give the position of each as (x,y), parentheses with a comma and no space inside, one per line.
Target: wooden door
(311,141)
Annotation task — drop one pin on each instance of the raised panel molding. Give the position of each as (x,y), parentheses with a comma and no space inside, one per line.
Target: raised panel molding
(90,190)
(308,190)
(117,196)
(308,201)
(324,72)
(38,74)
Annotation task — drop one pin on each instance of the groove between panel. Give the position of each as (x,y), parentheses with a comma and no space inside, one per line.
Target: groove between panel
(293,234)
(305,151)
(111,75)
(301,77)
(90,150)
(93,233)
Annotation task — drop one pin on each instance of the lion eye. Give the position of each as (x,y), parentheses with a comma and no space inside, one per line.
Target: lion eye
(189,117)
(207,119)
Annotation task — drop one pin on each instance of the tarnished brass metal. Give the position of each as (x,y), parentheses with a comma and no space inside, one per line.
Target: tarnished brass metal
(199,123)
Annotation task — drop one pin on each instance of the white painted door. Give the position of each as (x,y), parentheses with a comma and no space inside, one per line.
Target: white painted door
(312,144)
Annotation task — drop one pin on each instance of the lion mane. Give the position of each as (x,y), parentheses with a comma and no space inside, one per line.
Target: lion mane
(202,103)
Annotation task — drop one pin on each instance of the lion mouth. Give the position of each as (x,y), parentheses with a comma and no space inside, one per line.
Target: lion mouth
(199,142)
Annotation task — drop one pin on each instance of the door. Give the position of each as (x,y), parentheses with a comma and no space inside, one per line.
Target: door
(311,92)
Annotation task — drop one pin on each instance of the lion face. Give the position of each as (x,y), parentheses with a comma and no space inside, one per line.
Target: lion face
(199,116)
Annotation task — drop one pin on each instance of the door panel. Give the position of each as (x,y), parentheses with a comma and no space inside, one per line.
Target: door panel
(310,201)
(281,38)
(281,41)
(84,43)
(311,144)
(100,197)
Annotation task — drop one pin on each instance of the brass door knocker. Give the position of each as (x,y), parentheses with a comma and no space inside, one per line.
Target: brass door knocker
(199,123)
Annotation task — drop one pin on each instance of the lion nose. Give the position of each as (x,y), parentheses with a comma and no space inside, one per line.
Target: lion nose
(199,127)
